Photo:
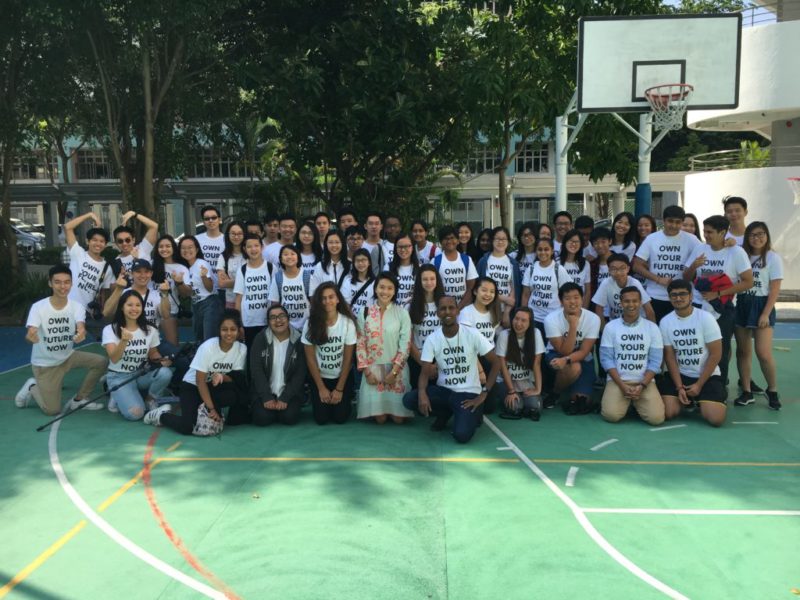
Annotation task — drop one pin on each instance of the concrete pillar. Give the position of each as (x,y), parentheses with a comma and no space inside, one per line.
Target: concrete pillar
(51,222)
(562,136)
(188,215)
(619,201)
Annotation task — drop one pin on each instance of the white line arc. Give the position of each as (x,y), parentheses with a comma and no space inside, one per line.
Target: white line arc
(694,511)
(584,521)
(667,427)
(603,444)
(755,422)
(571,474)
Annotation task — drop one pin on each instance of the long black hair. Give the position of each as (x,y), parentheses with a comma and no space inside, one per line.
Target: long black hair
(394,265)
(353,273)
(494,306)
(628,239)
(531,226)
(417,308)
(118,321)
(528,354)
(229,247)
(317,325)
(159,270)
(579,258)
(316,246)
(326,256)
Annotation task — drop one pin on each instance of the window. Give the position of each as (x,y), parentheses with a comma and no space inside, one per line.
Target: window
(525,210)
(482,160)
(34,166)
(211,164)
(470,211)
(533,158)
(94,164)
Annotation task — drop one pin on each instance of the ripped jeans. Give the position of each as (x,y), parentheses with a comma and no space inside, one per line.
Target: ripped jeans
(130,397)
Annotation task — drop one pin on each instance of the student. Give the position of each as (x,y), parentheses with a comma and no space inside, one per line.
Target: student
(288,229)
(130,342)
(631,351)
(167,266)
(251,289)
(346,218)
(544,231)
(55,324)
(575,263)
(713,259)
(562,222)
(230,261)
(541,283)
(691,225)
(384,335)
(156,297)
(329,339)
(355,240)
(456,269)
(571,333)
(215,379)
(755,314)
(358,288)
(308,242)
(661,257)
(458,392)
(211,241)
(735,209)
(374,226)
(272,230)
(392,227)
(601,245)
(608,299)
(622,227)
(520,381)
(504,271)
(428,288)
(526,246)
(466,242)
(645,225)
(425,249)
(404,266)
(483,314)
(125,239)
(206,305)
(91,274)
(277,371)
(484,243)
(692,350)
(585,225)
(334,265)
(289,287)
(255,228)
(322,221)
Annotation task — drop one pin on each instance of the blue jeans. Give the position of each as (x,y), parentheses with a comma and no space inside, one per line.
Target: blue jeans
(206,316)
(446,403)
(130,397)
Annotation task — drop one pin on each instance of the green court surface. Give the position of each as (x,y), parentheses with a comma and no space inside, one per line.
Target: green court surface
(526,510)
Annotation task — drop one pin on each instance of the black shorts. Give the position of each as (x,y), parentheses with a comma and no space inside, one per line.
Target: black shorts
(713,390)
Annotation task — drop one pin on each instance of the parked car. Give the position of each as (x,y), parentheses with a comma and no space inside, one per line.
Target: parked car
(28,242)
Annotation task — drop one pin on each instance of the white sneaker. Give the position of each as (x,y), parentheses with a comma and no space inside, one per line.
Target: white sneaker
(151,405)
(112,405)
(153,417)
(24,397)
(85,404)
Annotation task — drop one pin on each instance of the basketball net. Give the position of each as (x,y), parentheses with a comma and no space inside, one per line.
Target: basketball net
(794,183)
(669,102)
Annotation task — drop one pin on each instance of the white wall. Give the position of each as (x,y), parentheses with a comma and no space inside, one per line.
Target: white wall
(769,199)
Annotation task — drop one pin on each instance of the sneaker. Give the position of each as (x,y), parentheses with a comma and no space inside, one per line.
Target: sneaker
(439,423)
(535,415)
(550,400)
(744,399)
(754,387)
(112,405)
(774,401)
(74,404)
(24,397)
(151,404)
(153,417)
(571,407)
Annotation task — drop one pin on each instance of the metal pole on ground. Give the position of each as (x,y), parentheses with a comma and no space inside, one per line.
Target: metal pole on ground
(644,194)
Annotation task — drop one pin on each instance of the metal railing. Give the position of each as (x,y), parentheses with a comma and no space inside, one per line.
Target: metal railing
(762,14)
(747,158)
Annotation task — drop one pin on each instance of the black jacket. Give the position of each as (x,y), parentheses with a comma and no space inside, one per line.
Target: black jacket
(294,367)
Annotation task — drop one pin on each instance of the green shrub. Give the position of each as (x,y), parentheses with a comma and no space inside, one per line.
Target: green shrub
(28,290)
(50,255)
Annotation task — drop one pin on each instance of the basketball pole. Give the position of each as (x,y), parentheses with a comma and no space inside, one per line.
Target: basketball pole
(644,193)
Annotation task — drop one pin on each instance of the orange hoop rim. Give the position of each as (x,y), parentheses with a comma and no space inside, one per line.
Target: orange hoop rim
(654,94)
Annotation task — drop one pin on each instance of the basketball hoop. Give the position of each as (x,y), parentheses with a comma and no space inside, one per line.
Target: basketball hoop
(794,183)
(669,102)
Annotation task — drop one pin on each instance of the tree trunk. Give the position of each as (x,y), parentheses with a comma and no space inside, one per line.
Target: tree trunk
(148,203)
(9,238)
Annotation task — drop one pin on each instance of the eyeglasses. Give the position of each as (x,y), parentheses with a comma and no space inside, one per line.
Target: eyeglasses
(278,317)
(759,235)
(405,247)
(124,240)
(679,294)
(214,218)
(500,239)
(617,269)
(528,234)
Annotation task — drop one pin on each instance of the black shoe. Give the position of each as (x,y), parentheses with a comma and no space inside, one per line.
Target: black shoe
(513,415)
(744,399)
(535,415)
(571,407)
(754,387)
(439,423)
(774,401)
(550,400)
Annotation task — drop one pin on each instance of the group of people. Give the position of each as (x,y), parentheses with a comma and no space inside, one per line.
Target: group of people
(287,312)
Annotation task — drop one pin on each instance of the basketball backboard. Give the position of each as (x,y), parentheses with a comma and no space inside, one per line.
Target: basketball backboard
(620,57)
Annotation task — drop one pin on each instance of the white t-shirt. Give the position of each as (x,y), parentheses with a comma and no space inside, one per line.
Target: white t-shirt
(739,238)
(456,358)
(277,377)
(762,277)
(429,322)
(211,247)
(152,304)
(169,271)
(578,275)
(195,281)
(556,249)
(631,344)
(544,283)
(365,298)
(730,260)
(602,274)
(56,330)
(369,246)
(556,325)
(292,296)
(309,260)
(254,289)
(521,377)
(424,255)
(629,251)
(607,296)
(499,270)
(86,275)
(136,350)
(405,279)
(330,355)
(482,322)
(688,337)
(321,275)
(526,261)
(665,257)
(210,359)
(455,277)
(232,270)
(271,253)
(143,250)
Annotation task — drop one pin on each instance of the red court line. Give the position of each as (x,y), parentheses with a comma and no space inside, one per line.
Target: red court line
(173,537)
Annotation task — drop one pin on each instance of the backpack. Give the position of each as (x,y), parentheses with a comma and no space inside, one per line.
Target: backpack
(279,283)
(269,267)
(437,261)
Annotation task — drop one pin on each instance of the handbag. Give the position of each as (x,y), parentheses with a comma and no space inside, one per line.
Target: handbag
(205,426)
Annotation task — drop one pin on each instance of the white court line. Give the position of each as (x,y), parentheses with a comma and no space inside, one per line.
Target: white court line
(115,535)
(584,522)
(29,364)
(693,511)
(603,444)
(503,448)
(667,427)
(571,474)
(755,422)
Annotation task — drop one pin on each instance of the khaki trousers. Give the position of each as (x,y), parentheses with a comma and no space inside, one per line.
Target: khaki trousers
(47,391)
(650,405)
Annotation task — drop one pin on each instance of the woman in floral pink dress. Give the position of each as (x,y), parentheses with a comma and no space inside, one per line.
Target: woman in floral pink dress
(384,334)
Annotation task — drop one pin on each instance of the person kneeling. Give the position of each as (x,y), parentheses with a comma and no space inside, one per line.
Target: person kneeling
(277,371)
(631,350)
